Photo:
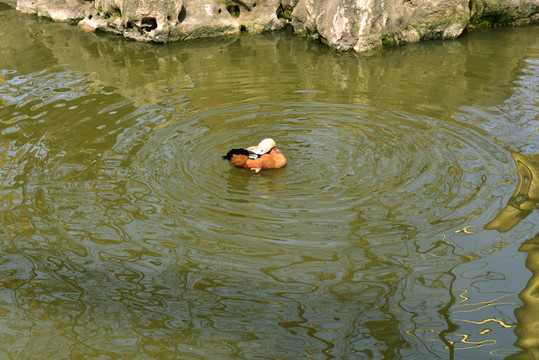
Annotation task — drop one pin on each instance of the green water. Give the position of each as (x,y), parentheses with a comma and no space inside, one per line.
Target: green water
(404,225)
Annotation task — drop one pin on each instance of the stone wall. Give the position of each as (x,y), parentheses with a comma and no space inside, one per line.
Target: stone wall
(358,25)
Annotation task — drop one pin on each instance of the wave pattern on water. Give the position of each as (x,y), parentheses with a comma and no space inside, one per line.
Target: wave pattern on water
(124,233)
(351,171)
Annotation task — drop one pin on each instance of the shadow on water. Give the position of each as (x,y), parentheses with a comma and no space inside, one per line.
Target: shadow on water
(125,235)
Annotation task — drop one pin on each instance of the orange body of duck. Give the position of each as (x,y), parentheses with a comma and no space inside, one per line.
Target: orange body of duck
(256,158)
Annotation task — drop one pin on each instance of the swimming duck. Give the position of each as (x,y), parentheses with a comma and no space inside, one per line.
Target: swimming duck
(255,158)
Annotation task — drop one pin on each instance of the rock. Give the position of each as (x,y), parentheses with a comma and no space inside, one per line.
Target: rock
(358,25)
(365,24)
(342,24)
(203,18)
(59,10)
(486,13)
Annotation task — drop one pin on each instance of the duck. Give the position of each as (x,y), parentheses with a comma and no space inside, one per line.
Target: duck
(263,156)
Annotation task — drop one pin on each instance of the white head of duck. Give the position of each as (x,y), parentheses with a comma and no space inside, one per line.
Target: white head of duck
(256,158)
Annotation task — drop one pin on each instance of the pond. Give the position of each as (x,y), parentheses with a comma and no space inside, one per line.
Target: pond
(404,225)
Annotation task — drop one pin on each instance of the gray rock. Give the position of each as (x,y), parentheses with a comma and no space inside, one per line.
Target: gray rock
(358,25)
(366,24)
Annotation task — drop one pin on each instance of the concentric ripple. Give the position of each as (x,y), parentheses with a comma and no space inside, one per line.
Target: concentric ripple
(352,171)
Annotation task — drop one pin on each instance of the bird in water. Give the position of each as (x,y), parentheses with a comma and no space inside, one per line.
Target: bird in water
(263,156)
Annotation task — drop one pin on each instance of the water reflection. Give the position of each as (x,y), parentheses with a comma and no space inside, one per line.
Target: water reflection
(526,197)
(520,205)
(526,329)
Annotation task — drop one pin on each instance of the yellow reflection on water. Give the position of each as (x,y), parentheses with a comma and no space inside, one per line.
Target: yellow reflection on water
(464,339)
(453,341)
(483,304)
(527,329)
(461,339)
(500,322)
(467,230)
(526,196)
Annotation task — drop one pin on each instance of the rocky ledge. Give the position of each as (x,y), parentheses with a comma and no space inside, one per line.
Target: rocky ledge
(358,25)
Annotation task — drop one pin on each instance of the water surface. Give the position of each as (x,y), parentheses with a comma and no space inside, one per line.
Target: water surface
(403,227)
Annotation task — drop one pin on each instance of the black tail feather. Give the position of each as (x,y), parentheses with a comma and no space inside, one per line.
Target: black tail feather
(228,156)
